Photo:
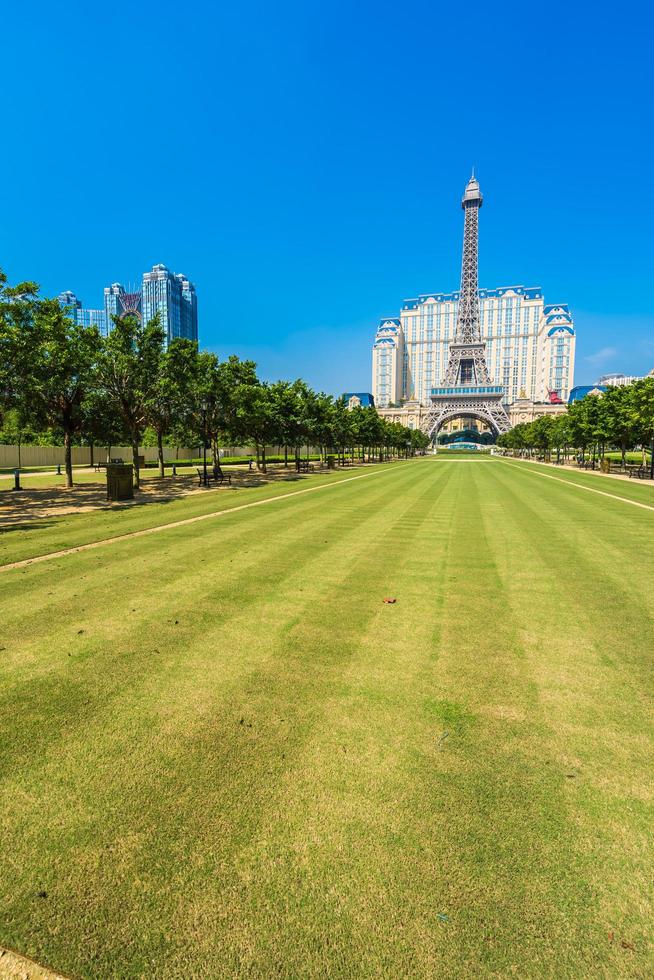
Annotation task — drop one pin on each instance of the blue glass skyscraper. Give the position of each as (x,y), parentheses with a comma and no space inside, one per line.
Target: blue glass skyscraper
(112,305)
(169,294)
(81,315)
(173,297)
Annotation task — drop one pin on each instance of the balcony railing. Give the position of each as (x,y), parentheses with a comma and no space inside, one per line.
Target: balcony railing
(467,390)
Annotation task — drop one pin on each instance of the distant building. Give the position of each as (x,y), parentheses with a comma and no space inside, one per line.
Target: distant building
(355,399)
(413,415)
(119,302)
(173,297)
(79,314)
(580,391)
(530,345)
(112,305)
(618,380)
(189,308)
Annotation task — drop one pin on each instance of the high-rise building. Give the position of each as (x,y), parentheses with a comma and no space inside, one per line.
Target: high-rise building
(112,304)
(169,294)
(173,297)
(529,346)
(79,314)
(189,308)
(119,302)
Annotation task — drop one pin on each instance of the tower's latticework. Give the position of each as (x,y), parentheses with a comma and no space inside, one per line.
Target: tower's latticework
(467,388)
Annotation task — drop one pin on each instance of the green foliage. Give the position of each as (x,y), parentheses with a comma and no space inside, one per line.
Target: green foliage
(622,418)
(129,369)
(49,363)
(61,380)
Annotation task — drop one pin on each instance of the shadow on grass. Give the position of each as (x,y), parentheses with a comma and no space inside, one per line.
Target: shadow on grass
(34,508)
(33,526)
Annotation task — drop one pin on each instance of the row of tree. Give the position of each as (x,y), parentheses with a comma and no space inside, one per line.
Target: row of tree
(620,418)
(65,378)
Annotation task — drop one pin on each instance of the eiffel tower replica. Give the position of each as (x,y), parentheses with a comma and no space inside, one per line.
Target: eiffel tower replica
(467,388)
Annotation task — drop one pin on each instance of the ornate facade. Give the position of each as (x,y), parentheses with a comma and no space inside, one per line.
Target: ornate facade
(415,416)
(528,345)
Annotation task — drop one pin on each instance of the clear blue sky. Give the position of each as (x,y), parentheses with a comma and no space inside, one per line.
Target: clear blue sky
(303,164)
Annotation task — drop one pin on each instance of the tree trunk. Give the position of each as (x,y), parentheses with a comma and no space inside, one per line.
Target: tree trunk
(215,454)
(68,459)
(162,471)
(286,457)
(135,460)
(263,459)
(91,448)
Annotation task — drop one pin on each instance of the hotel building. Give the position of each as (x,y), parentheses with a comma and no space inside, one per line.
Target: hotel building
(530,346)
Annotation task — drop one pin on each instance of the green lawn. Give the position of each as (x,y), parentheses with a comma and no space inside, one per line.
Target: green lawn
(222,754)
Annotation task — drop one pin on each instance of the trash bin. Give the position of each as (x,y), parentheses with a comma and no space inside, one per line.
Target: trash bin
(120,481)
(605,466)
(331,462)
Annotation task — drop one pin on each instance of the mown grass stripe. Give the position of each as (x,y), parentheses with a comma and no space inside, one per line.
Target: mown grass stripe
(182,523)
(281,678)
(580,486)
(334,832)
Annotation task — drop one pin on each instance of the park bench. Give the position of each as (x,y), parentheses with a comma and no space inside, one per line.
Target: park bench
(640,472)
(102,465)
(214,473)
(304,466)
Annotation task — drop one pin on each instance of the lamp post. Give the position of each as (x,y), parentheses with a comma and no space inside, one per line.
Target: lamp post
(205,409)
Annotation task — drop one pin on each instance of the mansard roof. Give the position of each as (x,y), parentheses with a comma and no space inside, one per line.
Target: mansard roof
(528,292)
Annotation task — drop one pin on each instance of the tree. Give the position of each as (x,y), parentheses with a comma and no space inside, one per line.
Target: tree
(49,363)
(317,418)
(342,427)
(128,370)
(18,306)
(287,405)
(620,416)
(419,440)
(102,423)
(257,418)
(643,405)
(581,422)
(63,373)
(215,400)
(560,434)
(172,391)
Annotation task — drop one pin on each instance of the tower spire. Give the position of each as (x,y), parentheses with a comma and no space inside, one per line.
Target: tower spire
(467,388)
(467,325)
